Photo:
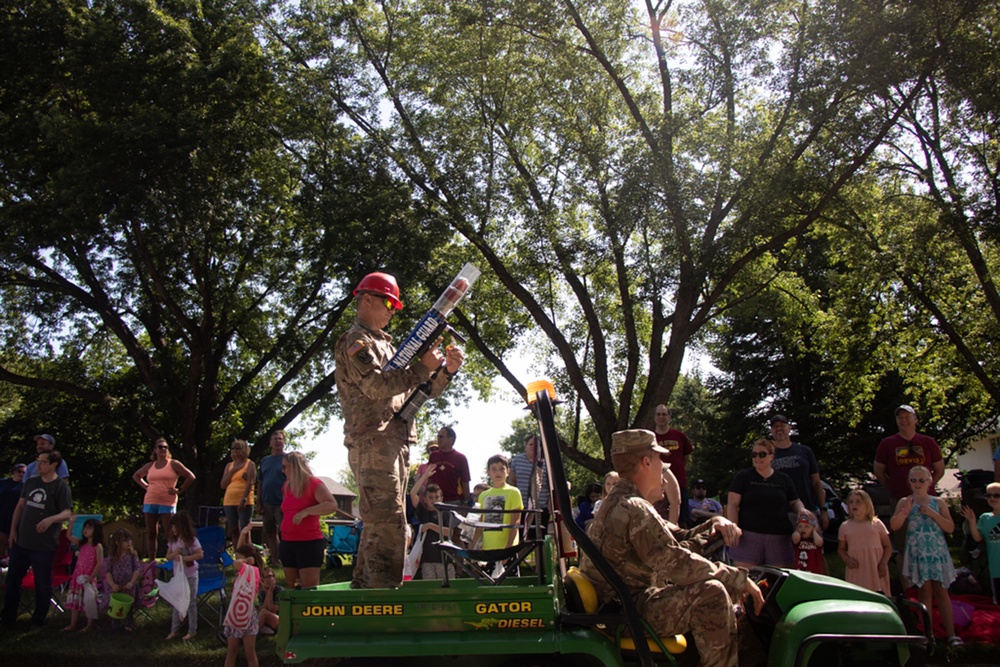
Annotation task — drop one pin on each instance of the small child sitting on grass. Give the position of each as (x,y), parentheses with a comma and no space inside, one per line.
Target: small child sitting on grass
(267,602)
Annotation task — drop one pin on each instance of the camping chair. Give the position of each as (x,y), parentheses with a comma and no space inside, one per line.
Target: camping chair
(146,598)
(343,545)
(76,530)
(62,572)
(210,515)
(212,575)
(471,561)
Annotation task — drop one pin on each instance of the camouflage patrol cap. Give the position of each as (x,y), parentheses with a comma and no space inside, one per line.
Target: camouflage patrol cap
(633,441)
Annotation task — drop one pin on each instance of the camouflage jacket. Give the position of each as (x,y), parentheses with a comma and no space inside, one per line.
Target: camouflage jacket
(647,552)
(369,396)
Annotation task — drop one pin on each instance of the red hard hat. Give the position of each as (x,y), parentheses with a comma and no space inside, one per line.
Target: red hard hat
(383,284)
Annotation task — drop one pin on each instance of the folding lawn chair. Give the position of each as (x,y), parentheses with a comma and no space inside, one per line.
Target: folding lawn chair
(212,575)
(209,515)
(146,598)
(343,545)
(62,571)
(76,530)
(475,562)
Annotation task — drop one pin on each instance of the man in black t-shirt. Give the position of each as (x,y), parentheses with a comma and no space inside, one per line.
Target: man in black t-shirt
(34,535)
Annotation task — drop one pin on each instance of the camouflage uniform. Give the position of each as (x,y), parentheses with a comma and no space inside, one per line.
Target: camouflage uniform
(675,589)
(378,447)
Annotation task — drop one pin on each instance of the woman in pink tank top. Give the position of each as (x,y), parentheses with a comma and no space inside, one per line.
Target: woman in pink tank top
(159,479)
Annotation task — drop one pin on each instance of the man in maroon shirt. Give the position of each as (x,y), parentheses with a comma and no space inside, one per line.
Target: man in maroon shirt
(898,453)
(679,447)
(452,473)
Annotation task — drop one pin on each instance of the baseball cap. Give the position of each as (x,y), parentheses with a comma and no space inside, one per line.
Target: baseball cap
(778,418)
(46,436)
(906,408)
(699,482)
(808,517)
(635,440)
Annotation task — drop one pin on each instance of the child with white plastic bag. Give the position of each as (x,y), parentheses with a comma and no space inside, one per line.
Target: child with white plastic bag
(82,594)
(185,550)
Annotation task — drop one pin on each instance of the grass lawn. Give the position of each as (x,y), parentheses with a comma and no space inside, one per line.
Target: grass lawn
(146,644)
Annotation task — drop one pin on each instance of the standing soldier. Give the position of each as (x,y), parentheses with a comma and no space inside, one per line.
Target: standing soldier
(378,443)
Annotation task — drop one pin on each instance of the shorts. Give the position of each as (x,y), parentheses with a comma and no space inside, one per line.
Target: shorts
(252,629)
(302,554)
(764,549)
(271,515)
(236,516)
(153,508)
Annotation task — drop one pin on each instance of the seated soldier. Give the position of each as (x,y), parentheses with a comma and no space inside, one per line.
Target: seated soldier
(676,590)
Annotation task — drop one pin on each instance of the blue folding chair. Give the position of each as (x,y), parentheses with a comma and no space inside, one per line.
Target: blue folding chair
(76,530)
(212,575)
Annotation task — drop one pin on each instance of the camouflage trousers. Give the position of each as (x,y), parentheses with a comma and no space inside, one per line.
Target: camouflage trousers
(703,608)
(380,466)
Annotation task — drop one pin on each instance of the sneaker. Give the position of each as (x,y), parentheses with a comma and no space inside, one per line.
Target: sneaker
(955,641)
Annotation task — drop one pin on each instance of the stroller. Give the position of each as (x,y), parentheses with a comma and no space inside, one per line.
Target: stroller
(343,546)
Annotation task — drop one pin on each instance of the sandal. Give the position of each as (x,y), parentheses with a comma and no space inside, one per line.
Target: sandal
(955,641)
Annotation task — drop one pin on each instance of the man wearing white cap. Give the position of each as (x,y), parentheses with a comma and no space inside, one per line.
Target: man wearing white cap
(898,453)
(678,591)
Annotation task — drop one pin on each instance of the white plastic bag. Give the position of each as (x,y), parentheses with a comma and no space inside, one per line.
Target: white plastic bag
(89,597)
(177,591)
(413,558)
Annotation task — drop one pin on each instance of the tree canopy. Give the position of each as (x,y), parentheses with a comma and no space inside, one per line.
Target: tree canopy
(180,233)
(805,192)
(625,170)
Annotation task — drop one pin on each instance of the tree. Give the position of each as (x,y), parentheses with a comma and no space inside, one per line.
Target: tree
(936,236)
(819,347)
(623,175)
(180,231)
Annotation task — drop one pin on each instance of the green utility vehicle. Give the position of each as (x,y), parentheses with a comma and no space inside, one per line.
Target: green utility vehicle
(551,617)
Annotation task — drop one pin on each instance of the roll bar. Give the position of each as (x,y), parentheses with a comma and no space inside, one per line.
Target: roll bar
(544,410)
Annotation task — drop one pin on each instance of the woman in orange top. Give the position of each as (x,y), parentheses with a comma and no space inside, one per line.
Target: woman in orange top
(238,480)
(159,479)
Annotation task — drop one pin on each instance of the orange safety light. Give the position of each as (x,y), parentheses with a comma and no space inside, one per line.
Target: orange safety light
(536,386)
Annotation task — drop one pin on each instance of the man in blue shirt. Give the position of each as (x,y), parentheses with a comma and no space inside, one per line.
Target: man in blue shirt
(44,444)
(269,494)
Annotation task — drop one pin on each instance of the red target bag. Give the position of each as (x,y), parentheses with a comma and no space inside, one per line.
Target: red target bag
(241,607)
